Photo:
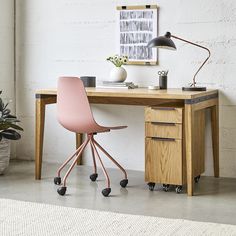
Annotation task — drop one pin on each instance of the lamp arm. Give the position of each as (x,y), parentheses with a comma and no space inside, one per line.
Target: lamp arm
(197,45)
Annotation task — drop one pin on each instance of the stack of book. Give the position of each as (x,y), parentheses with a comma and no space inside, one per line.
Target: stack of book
(122,85)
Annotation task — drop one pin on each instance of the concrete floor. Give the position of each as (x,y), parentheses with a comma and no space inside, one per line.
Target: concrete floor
(215,199)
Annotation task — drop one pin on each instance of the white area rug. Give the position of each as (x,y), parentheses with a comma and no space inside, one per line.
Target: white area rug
(26,218)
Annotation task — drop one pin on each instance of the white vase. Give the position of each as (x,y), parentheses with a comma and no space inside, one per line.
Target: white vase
(118,74)
(4,155)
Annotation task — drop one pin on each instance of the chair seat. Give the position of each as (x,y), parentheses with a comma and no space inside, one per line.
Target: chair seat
(118,127)
(73,109)
(87,127)
(101,129)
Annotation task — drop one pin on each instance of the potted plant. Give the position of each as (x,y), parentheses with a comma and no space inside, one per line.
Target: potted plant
(118,73)
(8,131)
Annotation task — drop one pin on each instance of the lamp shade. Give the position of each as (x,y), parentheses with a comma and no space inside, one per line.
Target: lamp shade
(162,42)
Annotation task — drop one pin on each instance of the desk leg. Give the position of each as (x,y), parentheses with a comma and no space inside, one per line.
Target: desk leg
(79,140)
(39,131)
(189,136)
(215,137)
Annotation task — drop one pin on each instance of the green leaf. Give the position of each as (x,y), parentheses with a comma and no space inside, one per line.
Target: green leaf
(16,127)
(1,105)
(4,126)
(6,111)
(11,116)
(5,106)
(10,134)
(10,120)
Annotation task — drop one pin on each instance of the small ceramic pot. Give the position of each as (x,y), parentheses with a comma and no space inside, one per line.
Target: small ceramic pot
(118,74)
(88,81)
(163,81)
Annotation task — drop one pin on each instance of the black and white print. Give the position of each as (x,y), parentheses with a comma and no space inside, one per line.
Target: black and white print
(136,28)
(136,52)
(127,15)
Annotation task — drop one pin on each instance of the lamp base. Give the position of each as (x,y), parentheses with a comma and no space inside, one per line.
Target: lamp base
(194,88)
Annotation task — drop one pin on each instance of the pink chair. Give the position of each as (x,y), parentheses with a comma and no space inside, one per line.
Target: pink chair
(74,114)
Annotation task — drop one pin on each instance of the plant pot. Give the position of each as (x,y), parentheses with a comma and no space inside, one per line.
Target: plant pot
(118,74)
(4,155)
(163,81)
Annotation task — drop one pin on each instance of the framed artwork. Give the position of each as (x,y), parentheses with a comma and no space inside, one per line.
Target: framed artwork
(136,26)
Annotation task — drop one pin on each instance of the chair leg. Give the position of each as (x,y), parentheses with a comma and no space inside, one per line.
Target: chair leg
(93,176)
(110,157)
(57,180)
(62,190)
(74,162)
(68,160)
(107,190)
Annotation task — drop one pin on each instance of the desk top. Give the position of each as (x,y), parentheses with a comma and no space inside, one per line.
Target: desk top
(137,93)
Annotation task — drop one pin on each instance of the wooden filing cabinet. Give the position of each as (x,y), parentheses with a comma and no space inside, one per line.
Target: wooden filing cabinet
(164,147)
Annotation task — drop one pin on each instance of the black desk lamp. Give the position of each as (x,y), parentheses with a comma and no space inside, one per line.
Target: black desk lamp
(167,43)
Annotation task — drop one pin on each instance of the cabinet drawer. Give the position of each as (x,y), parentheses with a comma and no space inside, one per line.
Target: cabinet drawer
(163,161)
(164,114)
(163,130)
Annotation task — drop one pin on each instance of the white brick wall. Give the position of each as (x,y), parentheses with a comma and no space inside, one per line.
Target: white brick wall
(7,50)
(73,37)
(7,56)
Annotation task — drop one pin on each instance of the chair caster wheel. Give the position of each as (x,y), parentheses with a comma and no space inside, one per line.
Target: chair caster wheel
(197,178)
(123,183)
(106,192)
(151,186)
(61,190)
(165,187)
(178,189)
(93,177)
(57,180)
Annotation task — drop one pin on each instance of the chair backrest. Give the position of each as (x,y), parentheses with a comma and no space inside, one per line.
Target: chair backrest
(73,109)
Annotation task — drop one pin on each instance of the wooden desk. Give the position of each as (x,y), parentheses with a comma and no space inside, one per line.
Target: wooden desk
(191,101)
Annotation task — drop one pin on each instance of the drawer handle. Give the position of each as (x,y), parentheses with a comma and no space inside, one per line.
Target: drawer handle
(163,139)
(163,123)
(164,108)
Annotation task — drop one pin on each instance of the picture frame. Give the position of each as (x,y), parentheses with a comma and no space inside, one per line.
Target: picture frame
(136,26)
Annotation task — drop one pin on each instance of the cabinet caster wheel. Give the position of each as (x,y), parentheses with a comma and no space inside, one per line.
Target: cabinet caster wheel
(93,177)
(57,180)
(106,192)
(151,186)
(178,189)
(165,187)
(61,191)
(197,178)
(123,183)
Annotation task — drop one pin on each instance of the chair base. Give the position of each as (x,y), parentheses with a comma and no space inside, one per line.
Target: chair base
(106,192)
(57,180)
(94,145)
(61,191)
(123,183)
(93,177)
